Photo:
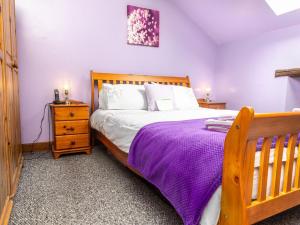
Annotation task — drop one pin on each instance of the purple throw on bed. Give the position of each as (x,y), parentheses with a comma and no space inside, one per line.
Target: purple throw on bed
(183,160)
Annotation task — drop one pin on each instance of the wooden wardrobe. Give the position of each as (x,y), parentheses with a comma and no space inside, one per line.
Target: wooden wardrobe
(10,137)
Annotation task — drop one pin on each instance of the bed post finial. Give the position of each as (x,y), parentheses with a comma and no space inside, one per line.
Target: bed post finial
(92,91)
(188,81)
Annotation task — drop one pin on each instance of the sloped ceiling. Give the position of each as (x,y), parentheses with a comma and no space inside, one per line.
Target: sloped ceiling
(230,20)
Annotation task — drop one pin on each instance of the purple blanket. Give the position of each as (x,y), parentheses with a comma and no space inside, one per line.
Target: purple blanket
(183,160)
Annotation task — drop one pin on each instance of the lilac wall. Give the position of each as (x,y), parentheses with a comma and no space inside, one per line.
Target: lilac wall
(245,71)
(64,40)
(293,94)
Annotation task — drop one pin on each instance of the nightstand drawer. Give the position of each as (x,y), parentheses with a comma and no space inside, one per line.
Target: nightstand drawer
(71,113)
(212,105)
(217,106)
(72,141)
(71,127)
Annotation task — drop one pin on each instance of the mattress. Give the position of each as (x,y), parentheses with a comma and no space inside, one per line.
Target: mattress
(121,126)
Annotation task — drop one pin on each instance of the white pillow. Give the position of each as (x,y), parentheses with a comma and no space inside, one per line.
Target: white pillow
(296,110)
(102,100)
(157,93)
(184,98)
(165,104)
(122,96)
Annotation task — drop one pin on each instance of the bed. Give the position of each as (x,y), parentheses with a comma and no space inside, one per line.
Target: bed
(278,182)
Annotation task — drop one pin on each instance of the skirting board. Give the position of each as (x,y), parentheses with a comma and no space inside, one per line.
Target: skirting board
(36,147)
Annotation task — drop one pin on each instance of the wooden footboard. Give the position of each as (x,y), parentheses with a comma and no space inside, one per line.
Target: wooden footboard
(237,206)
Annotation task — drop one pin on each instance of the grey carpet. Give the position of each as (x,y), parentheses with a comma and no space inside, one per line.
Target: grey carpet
(95,189)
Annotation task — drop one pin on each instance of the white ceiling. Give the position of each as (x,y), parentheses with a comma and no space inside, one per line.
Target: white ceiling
(229,20)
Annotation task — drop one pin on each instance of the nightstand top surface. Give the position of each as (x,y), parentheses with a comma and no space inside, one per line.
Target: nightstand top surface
(73,103)
(213,103)
(210,103)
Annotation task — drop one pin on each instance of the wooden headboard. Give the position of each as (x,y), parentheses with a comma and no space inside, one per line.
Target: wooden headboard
(97,79)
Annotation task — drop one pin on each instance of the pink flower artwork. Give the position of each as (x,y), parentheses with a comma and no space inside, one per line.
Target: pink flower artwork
(143,26)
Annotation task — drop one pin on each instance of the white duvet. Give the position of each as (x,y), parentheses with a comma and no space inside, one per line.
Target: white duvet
(121,126)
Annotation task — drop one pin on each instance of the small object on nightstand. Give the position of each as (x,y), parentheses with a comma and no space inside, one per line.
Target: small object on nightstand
(211,105)
(56,97)
(207,98)
(71,132)
(67,97)
(67,92)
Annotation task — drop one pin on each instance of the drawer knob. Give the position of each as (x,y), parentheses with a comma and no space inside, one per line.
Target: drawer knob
(73,142)
(72,114)
(70,129)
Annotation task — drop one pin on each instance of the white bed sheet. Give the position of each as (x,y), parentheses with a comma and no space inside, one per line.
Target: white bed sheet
(121,126)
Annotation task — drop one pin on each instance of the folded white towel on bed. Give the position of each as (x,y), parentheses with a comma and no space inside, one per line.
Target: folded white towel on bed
(222,124)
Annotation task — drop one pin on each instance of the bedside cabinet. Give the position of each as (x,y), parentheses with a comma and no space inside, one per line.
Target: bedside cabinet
(211,105)
(71,132)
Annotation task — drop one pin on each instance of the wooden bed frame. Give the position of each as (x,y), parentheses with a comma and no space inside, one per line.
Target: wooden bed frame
(237,206)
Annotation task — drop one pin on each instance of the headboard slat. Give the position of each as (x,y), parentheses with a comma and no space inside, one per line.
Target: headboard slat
(99,78)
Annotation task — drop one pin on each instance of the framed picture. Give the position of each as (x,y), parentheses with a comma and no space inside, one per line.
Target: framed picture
(143,26)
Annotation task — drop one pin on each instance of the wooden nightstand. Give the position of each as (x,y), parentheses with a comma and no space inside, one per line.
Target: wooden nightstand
(71,132)
(211,105)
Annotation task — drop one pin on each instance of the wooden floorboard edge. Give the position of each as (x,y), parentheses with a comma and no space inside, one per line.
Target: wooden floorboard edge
(5,215)
(36,147)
